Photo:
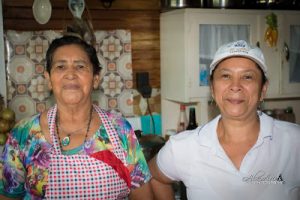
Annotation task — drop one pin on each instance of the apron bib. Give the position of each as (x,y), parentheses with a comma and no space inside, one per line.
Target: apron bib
(87,176)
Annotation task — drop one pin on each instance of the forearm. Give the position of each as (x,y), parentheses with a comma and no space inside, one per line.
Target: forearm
(160,184)
(161,190)
(142,193)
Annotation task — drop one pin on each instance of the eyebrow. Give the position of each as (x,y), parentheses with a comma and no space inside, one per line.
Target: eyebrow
(229,70)
(76,61)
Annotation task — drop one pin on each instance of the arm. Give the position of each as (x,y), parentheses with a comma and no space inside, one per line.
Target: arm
(160,184)
(142,193)
(12,172)
(7,198)
(137,164)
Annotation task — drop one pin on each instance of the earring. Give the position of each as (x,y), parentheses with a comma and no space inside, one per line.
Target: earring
(259,107)
(212,102)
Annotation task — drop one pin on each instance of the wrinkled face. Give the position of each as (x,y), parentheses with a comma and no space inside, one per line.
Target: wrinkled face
(71,77)
(237,87)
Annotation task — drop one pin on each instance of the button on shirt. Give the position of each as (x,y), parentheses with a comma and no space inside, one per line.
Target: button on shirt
(270,170)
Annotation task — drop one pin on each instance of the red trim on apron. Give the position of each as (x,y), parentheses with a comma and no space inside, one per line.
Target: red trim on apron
(109,158)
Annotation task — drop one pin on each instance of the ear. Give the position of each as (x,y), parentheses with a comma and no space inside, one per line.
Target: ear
(212,90)
(47,76)
(264,91)
(96,81)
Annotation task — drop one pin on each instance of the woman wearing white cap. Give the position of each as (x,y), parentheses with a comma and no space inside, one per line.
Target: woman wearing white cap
(242,153)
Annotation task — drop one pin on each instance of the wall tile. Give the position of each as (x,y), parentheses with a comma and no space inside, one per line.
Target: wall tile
(25,64)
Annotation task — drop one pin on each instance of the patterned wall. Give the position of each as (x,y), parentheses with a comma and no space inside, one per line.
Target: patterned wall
(25,62)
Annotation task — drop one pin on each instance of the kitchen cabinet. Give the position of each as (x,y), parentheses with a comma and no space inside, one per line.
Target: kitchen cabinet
(190,37)
(291,55)
(283,61)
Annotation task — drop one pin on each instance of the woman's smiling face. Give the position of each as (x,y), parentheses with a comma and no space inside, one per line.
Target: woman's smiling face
(71,76)
(237,87)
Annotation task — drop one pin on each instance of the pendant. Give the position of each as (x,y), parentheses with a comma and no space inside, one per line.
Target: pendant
(65,141)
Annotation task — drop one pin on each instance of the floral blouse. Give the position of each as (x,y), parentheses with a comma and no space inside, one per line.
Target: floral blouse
(25,159)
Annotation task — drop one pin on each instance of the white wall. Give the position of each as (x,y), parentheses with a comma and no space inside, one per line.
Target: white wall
(2,63)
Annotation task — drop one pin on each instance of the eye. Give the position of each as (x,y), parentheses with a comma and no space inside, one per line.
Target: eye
(59,67)
(225,76)
(248,77)
(80,66)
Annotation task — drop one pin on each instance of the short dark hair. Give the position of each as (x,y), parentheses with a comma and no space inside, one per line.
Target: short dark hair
(72,40)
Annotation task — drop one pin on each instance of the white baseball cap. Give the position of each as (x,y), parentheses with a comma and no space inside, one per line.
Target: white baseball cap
(239,48)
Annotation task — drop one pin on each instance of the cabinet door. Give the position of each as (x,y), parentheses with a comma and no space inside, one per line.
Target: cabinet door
(291,56)
(212,30)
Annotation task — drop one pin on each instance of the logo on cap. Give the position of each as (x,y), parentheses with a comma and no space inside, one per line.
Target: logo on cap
(240,43)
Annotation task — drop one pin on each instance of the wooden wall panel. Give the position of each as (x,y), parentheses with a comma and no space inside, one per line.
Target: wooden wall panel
(141,17)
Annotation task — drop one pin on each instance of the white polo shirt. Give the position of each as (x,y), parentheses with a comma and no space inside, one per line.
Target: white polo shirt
(269,171)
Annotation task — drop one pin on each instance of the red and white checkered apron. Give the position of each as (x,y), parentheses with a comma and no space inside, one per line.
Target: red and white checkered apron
(84,176)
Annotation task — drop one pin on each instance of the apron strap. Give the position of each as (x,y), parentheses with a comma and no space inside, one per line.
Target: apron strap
(51,115)
(112,134)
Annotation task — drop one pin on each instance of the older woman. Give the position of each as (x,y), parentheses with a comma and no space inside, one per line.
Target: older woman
(75,150)
(242,153)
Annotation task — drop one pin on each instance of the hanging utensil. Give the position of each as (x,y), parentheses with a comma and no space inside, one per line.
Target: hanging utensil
(76,7)
(42,10)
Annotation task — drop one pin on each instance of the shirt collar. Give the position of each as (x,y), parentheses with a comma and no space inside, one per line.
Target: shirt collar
(266,128)
(208,132)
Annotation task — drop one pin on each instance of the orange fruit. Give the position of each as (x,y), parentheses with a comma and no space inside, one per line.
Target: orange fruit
(4,125)
(8,114)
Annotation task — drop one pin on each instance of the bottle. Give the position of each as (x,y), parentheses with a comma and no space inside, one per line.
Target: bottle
(192,120)
(182,121)
(290,115)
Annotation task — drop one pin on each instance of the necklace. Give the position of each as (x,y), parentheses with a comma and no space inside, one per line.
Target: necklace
(67,139)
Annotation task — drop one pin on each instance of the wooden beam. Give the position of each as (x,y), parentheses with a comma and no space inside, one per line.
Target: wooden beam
(93,4)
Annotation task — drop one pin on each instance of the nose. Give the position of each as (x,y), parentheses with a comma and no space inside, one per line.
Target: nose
(235,85)
(70,73)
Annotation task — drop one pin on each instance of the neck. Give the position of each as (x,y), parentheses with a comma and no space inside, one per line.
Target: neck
(74,114)
(235,131)
(65,141)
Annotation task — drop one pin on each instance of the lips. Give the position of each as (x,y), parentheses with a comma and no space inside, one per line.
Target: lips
(235,101)
(71,87)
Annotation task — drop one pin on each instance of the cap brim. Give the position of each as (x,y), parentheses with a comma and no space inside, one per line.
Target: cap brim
(260,64)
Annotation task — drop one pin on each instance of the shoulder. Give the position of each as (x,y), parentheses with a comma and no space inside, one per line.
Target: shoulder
(28,121)
(287,131)
(185,142)
(118,120)
(115,118)
(278,127)
(202,135)
(283,133)
(289,128)
(21,133)
(25,124)
(120,124)
(186,136)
